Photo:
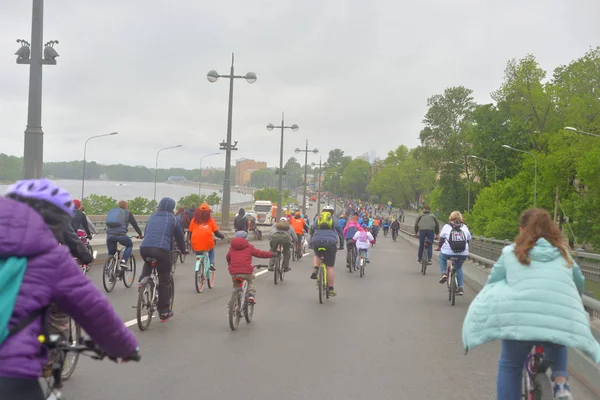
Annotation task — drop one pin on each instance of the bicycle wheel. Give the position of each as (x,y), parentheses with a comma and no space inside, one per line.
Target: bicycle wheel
(234,310)
(294,253)
(453,287)
(277,267)
(182,257)
(89,249)
(320,285)
(281,274)
(248,311)
(211,278)
(362,266)
(172,288)
(71,358)
(423,265)
(350,266)
(542,387)
(109,276)
(144,302)
(199,281)
(175,255)
(129,273)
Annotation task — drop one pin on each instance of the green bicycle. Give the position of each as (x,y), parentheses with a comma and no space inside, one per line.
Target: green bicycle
(322,286)
(203,274)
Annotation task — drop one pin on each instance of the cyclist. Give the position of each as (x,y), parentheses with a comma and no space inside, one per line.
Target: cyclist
(161,230)
(386,226)
(325,234)
(351,228)
(343,221)
(426,227)
(89,222)
(117,222)
(300,228)
(80,221)
(202,228)
(282,233)
(182,218)
(363,240)
(239,260)
(34,272)
(532,297)
(454,242)
(395,227)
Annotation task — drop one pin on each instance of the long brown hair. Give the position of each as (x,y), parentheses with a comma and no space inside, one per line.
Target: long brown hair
(201,216)
(537,223)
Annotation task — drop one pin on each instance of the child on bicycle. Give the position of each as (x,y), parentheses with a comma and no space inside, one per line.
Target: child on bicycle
(364,240)
(532,297)
(239,259)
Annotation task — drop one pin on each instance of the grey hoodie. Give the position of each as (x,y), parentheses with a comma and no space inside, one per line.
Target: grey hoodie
(427,222)
(285,227)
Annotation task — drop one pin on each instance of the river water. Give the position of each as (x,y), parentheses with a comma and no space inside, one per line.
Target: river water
(131,190)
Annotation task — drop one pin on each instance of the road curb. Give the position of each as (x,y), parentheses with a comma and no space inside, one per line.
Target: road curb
(581,366)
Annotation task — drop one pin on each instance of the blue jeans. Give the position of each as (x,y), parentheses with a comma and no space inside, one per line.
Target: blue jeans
(512,358)
(457,265)
(124,240)
(211,255)
(422,236)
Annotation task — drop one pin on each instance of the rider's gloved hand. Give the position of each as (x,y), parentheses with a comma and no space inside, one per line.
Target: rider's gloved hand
(135,356)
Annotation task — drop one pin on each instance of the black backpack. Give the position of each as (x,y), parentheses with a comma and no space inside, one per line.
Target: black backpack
(457,238)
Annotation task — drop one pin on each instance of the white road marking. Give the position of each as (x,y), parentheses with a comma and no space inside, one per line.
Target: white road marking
(145,317)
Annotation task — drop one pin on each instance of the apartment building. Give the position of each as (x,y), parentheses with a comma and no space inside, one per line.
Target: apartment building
(245,168)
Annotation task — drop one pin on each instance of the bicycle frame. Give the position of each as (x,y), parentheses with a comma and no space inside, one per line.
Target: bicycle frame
(203,256)
(241,285)
(536,365)
(362,257)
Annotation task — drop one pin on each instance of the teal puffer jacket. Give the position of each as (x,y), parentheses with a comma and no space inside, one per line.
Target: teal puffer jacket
(539,302)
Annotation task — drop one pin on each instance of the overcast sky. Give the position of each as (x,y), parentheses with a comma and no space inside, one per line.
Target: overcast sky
(352,74)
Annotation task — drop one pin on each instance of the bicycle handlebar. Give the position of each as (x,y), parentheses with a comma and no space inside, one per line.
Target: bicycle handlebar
(87,345)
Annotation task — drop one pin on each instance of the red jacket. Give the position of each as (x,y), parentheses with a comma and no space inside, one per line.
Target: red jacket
(239,257)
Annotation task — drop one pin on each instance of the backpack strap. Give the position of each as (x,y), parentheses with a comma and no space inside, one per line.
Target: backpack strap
(24,323)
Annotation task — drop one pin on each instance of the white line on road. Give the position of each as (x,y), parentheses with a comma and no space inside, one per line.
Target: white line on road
(145,317)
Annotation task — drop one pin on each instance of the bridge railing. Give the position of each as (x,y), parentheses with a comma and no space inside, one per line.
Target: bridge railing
(485,251)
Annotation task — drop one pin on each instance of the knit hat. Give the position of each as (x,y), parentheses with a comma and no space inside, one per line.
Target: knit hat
(241,234)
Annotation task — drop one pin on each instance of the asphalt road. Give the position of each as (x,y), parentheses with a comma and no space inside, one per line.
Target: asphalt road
(390,335)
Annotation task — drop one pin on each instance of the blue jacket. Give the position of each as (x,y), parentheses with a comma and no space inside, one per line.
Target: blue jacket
(162,227)
(328,235)
(539,302)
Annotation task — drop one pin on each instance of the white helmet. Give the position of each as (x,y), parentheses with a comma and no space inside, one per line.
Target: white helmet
(328,208)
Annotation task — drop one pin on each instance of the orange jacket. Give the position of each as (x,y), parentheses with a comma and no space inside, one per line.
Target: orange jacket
(298,225)
(202,235)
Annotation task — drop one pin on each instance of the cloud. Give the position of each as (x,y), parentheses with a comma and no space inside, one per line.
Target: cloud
(352,74)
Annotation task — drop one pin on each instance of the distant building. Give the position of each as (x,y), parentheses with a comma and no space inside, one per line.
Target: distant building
(245,168)
(365,157)
(173,179)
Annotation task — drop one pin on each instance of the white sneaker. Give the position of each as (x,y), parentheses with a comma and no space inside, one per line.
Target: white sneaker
(562,391)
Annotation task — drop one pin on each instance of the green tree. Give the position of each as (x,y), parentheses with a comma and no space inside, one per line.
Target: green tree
(192,199)
(140,206)
(263,178)
(337,159)
(96,204)
(213,199)
(355,178)
(266,194)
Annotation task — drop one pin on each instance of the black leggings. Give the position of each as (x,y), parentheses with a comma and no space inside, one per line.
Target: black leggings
(20,389)
(163,268)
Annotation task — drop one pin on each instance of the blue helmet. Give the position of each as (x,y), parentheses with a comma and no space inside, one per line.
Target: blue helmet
(45,190)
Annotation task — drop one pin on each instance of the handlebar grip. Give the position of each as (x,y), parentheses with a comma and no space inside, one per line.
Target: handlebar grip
(261,266)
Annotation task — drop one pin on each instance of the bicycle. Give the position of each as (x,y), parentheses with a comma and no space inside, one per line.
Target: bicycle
(353,254)
(278,272)
(175,255)
(148,296)
(425,256)
(239,303)
(188,248)
(85,240)
(322,286)
(202,271)
(113,271)
(298,247)
(54,382)
(452,281)
(536,382)
(362,260)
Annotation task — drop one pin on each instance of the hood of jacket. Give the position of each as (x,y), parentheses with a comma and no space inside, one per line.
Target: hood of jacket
(166,204)
(24,233)
(239,243)
(283,226)
(544,251)
(242,212)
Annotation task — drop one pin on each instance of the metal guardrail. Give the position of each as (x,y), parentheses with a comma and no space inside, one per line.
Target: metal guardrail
(485,251)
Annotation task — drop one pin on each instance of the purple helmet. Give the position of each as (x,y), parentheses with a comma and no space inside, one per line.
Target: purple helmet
(43,189)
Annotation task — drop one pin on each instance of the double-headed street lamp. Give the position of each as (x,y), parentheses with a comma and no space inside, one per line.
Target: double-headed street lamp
(305,151)
(212,77)
(468,185)
(495,167)
(200,178)
(33,155)
(570,128)
(156,166)
(85,154)
(534,171)
(270,127)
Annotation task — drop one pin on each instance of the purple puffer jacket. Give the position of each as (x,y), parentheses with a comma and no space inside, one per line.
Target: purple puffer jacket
(51,275)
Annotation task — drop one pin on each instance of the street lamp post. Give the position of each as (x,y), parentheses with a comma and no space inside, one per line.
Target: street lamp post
(534,171)
(270,127)
(85,154)
(33,155)
(200,178)
(495,167)
(321,167)
(468,186)
(156,166)
(570,128)
(212,77)
(305,151)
